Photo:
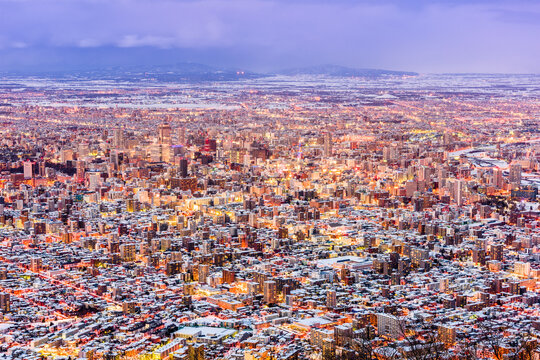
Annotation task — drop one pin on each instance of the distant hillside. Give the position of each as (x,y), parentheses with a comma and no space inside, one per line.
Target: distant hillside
(180,72)
(342,71)
(196,72)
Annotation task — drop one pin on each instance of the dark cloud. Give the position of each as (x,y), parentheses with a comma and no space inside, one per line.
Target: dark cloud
(421,35)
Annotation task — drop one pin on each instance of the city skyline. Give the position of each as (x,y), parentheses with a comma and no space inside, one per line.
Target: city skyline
(289,217)
(269,180)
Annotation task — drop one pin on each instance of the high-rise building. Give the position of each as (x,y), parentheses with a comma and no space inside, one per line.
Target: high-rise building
(447,334)
(5,302)
(478,256)
(66,155)
(270,292)
(424,173)
(444,285)
(183,168)
(182,135)
(94,180)
(165,141)
(204,271)
(28,168)
(331,299)
(459,192)
(229,276)
(128,307)
(522,269)
(497,178)
(515,174)
(389,326)
(497,252)
(173,268)
(184,183)
(41,169)
(118,139)
(35,264)
(328,144)
(343,334)
(80,170)
(127,252)
(164,133)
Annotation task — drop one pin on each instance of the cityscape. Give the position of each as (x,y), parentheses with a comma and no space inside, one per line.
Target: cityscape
(322,212)
(285,217)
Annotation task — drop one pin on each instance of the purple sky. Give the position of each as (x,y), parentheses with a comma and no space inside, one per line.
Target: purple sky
(415,35)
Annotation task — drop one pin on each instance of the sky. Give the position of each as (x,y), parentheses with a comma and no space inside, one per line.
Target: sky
(427,36)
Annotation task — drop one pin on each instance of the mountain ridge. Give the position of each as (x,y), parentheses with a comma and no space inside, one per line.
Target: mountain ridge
(193,71)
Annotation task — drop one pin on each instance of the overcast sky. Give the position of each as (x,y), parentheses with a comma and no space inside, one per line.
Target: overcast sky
(415,35)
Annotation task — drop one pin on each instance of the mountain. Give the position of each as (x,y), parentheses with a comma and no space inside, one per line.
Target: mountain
(179,72)
(189,72)
(192,72)
(343,71)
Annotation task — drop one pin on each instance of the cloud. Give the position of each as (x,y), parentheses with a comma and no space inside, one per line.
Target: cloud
(135,41)
(422,35)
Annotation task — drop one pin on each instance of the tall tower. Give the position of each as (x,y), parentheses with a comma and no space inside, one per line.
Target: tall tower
(80,170)
(497,178)
(183,168)
(164,133)
(515,174)
(182,135)
(5,302)
(42,166)
(327,144)
(165,141)
(28,167)
(118,139)
(204,271)
(331,299)
(270,292)
(459,192)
